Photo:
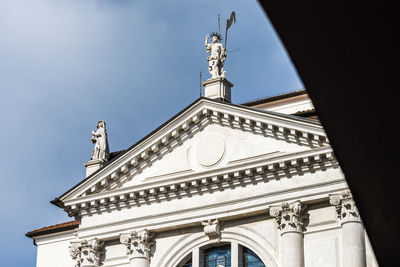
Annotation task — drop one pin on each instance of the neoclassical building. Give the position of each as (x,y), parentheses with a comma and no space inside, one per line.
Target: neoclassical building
(217,185)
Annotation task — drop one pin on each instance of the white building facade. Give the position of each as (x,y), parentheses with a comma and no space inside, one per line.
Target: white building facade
(218,185)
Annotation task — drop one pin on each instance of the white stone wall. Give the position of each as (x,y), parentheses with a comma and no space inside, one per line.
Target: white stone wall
(53,250)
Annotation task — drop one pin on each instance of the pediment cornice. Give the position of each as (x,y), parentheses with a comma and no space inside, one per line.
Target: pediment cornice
(259,170)
(198,115)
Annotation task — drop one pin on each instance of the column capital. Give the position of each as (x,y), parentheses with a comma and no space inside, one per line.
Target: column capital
(345,207)
(86,252)
(138,244)
(289,216)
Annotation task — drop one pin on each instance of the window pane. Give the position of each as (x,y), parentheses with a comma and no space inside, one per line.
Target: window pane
(250,259)
(218,256)
(188,263)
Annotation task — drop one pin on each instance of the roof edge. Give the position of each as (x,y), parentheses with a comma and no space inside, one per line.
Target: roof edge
(275,98)
(57,228)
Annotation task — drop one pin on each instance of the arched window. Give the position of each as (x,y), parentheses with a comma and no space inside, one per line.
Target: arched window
(221,256)
(250,259)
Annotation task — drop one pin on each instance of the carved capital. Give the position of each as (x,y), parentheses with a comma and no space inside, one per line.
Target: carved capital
(212,230)
(138,244)
(86,252)
(345,207)
(289,217)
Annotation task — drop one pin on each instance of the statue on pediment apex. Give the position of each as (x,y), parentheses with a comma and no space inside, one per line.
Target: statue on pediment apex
(217,56)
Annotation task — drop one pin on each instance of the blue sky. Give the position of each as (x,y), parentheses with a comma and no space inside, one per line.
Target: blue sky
(65,64)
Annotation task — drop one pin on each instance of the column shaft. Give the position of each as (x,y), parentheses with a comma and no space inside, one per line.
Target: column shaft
(354,254)
(139,262)
(292,249)
(353,238)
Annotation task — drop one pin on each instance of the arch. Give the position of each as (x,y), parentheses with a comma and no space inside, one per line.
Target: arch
(185,245)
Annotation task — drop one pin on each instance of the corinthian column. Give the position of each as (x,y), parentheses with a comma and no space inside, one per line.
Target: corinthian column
(138,247)
(290,222)
(86,253)
(352,230)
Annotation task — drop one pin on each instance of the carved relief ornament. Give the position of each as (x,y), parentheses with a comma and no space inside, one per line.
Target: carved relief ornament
(86,252)
(289,217)
(138,244)
(212,230)
(345,207)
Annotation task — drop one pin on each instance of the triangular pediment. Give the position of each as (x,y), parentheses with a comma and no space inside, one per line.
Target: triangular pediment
(206,137)
(212,147)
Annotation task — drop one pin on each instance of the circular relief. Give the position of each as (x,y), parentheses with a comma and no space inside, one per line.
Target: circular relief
(210,150)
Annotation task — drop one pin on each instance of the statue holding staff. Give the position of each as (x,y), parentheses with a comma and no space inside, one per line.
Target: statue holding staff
(217,56)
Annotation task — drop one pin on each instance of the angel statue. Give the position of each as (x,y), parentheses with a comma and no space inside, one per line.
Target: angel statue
(99,138)
(217,57)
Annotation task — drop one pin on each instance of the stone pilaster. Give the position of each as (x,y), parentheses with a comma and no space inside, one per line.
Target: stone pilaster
(86,253)
(290,222)
(353,238)
(138,247)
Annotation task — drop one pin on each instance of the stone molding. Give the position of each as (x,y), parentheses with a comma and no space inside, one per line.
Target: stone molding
(117,172)
(212,230)
(155,150)
(86,252)
(309,160)
(345,207)
(289,217)
(138,244)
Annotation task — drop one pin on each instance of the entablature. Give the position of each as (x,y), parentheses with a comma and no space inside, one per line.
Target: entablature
(223,211)
(183,185)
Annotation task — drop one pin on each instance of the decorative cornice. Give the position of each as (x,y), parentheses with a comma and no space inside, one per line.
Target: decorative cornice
(345,207)
(212,230)
(86,253)
(289,217)
(122,170)
(138,244)
(278,168)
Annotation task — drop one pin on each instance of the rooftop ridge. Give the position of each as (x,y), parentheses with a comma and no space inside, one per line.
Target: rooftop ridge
(274,97)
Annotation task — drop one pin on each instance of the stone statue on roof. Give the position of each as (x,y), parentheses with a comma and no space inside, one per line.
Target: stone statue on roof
(217,56)
(99,138)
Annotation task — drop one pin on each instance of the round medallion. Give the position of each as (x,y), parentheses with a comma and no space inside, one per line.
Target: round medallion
(210,149)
